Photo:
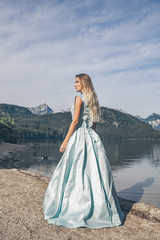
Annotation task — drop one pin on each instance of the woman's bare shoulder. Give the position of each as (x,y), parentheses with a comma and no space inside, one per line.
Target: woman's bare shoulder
(78,99)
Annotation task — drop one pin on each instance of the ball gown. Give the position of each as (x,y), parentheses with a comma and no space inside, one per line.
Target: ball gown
(81,191)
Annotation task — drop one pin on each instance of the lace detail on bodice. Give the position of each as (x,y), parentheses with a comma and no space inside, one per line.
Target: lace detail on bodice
(84,118)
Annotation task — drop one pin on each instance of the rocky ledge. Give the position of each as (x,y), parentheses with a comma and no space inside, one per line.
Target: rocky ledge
(22,195)
(9,154)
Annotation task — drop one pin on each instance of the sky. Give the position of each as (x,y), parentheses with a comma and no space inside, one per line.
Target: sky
(45,43)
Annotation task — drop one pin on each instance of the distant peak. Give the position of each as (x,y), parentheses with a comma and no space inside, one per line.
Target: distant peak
(42,109)
(153,114)
(139,117)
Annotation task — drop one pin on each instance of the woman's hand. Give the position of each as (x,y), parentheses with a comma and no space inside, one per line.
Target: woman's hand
(63,147)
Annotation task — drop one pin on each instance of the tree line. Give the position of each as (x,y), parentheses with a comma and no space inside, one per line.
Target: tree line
(19,123)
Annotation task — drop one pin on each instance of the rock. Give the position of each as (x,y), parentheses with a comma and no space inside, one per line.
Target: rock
(9,153)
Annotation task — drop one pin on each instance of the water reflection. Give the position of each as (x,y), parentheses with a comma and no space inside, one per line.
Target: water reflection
(40,154)
(136,191)
(120,154)
(124,153)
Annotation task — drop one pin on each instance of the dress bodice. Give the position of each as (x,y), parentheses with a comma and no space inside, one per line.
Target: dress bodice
(84,118)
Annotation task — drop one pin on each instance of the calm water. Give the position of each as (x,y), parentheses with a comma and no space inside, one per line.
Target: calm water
(135,166)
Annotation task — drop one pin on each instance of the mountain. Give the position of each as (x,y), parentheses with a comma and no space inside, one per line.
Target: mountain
(14,111)
(117,125)
(114,125)
(153,120)
(42,109)
(140,118)
(121,110)
(32,126)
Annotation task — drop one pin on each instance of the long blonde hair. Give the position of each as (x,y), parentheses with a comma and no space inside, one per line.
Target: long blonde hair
(90,96)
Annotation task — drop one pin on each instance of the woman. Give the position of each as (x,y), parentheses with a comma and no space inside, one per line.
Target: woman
(81,192)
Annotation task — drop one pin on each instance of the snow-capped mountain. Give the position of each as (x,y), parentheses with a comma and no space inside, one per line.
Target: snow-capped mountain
(139,117)
(153,120)
(42,109)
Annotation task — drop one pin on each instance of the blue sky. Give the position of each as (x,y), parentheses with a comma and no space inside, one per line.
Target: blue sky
(44,44)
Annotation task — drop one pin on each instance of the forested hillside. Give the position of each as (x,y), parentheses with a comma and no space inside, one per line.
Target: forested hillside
(32,126)
(113,125)
(7,132)
(117,125)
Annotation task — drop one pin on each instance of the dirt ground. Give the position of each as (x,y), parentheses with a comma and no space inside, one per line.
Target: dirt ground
(21,200)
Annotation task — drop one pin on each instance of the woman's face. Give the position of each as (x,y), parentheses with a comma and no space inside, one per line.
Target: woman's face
(77,85)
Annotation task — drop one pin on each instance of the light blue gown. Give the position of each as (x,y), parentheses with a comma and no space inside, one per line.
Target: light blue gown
(81,192)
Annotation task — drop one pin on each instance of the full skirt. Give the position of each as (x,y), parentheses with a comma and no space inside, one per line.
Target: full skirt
(81,192)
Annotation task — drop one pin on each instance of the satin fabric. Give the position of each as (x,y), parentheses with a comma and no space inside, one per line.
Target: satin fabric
(81,192)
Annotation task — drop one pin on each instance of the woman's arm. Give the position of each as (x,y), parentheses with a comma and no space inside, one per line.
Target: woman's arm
(78,103)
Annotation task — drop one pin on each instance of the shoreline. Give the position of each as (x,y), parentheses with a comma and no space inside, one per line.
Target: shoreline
(22,194)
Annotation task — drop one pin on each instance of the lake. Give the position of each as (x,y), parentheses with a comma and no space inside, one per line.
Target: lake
(135,166)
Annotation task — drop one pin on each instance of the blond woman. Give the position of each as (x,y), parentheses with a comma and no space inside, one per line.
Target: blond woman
(81,192)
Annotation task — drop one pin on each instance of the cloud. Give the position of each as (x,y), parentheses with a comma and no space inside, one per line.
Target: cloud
(43,44)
